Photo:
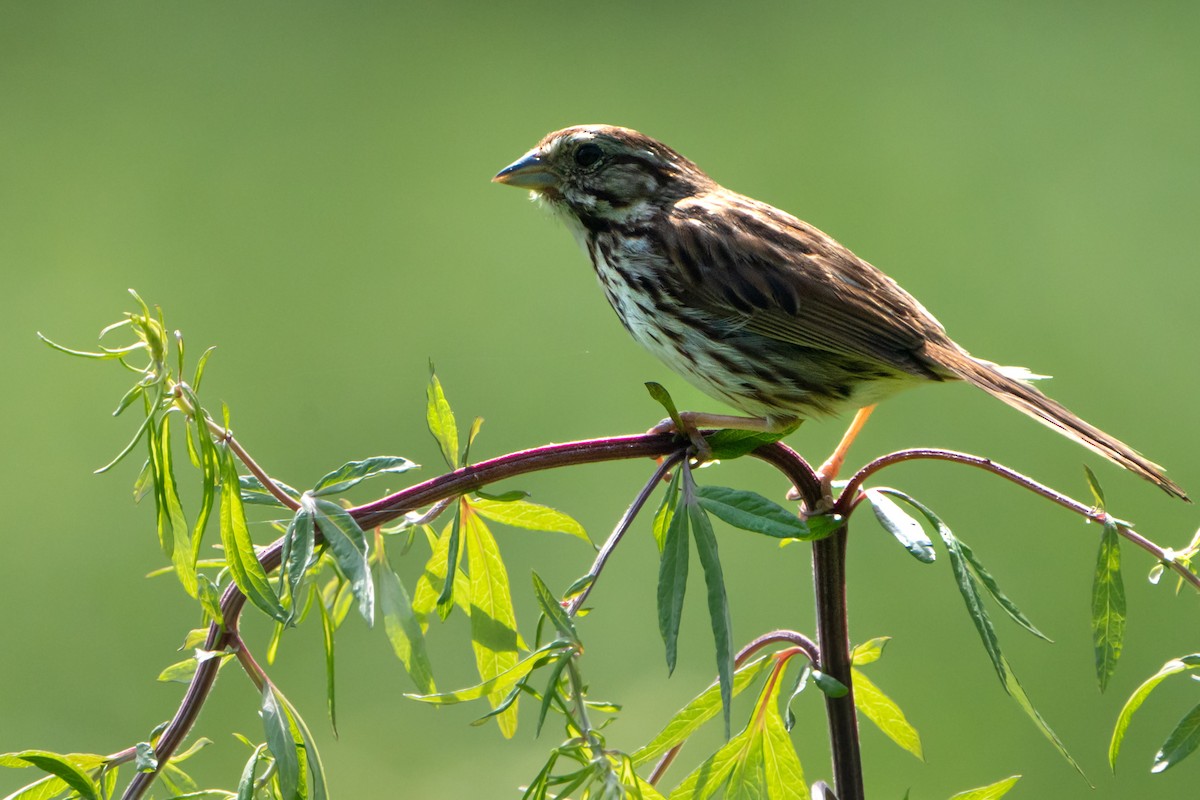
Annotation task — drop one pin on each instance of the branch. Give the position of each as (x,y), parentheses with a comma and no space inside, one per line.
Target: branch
(1090,513)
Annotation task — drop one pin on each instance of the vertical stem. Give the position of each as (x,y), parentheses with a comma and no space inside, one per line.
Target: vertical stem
(829,583)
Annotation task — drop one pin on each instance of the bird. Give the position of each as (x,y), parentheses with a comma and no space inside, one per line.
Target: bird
(754,306)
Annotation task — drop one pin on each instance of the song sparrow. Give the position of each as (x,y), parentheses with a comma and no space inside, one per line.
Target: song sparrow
(752,305)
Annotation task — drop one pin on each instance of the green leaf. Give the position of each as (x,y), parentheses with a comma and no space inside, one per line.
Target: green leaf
(989,582)
(78,353)
(672,583)
(781,766)
(753,512)
(282,741)
(66,771)
(425,596)
(201,363)
(243,562)
(552,692)
(174,533)
(760,762)
(869,651)
(404,630)
(454,545)
(883,711)
(993,588)
(899,524)
(1108,605)
(327,630)
(299,544)
(502,497)
(666,511)
(553,610)
(494,636)
(255,494)
(699,710)
(246,784)
(440,419)
(663,398)
(182,671)
(146,424)
(354,472)
(1180,743)
(531,516)
(1094,485)
(1172,667)
(498,685)
(992,792)
(348,544)
(718,602)
(732,443)
(974,602)
(829,685)
(708,778)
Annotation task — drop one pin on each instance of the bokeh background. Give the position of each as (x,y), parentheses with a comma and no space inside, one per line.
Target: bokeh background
(306,187)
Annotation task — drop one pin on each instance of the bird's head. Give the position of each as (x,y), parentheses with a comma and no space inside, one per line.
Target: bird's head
(604,173)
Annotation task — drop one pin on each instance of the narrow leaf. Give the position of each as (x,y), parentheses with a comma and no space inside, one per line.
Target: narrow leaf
(494,635)
(731,443)
(531,516)
(1172,667)
(247,781)
(453,546)
(1180,743)
(753,512)
(60,766)
(672,583)
(404,631)
(277,727)
(354,472)
(699,710)
(869,651)
(1094,485)
(440,419)
(983,624)
(781,765)
(498,685)
(327,630)
(991,792)
(663,398)
(243,562)
(666,511)
(902,526)
(299,543)
(553,609)
(993,589)
(173,529)
(1108,605)
(348,544)
(887,716)
(718,603)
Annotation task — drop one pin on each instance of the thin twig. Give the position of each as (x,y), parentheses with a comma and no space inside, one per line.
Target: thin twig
(610,544)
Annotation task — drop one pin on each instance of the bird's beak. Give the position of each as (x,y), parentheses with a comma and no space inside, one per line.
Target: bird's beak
(530,171)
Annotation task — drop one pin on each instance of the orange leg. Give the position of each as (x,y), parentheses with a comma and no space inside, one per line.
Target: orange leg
(833,465)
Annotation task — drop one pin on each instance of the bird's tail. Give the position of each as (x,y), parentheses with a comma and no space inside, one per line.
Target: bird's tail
(1010,385)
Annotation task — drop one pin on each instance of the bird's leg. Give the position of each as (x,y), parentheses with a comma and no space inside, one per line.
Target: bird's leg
(833,465)
(693,421)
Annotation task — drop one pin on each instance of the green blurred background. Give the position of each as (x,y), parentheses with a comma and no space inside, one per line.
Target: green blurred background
(306,186)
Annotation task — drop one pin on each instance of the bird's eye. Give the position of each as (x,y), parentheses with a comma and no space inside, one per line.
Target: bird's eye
(588,154)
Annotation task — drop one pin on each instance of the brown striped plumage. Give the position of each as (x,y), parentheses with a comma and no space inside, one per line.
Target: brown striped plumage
(751,304)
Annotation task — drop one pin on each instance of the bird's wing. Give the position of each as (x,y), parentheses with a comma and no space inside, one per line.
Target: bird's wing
(767,272)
